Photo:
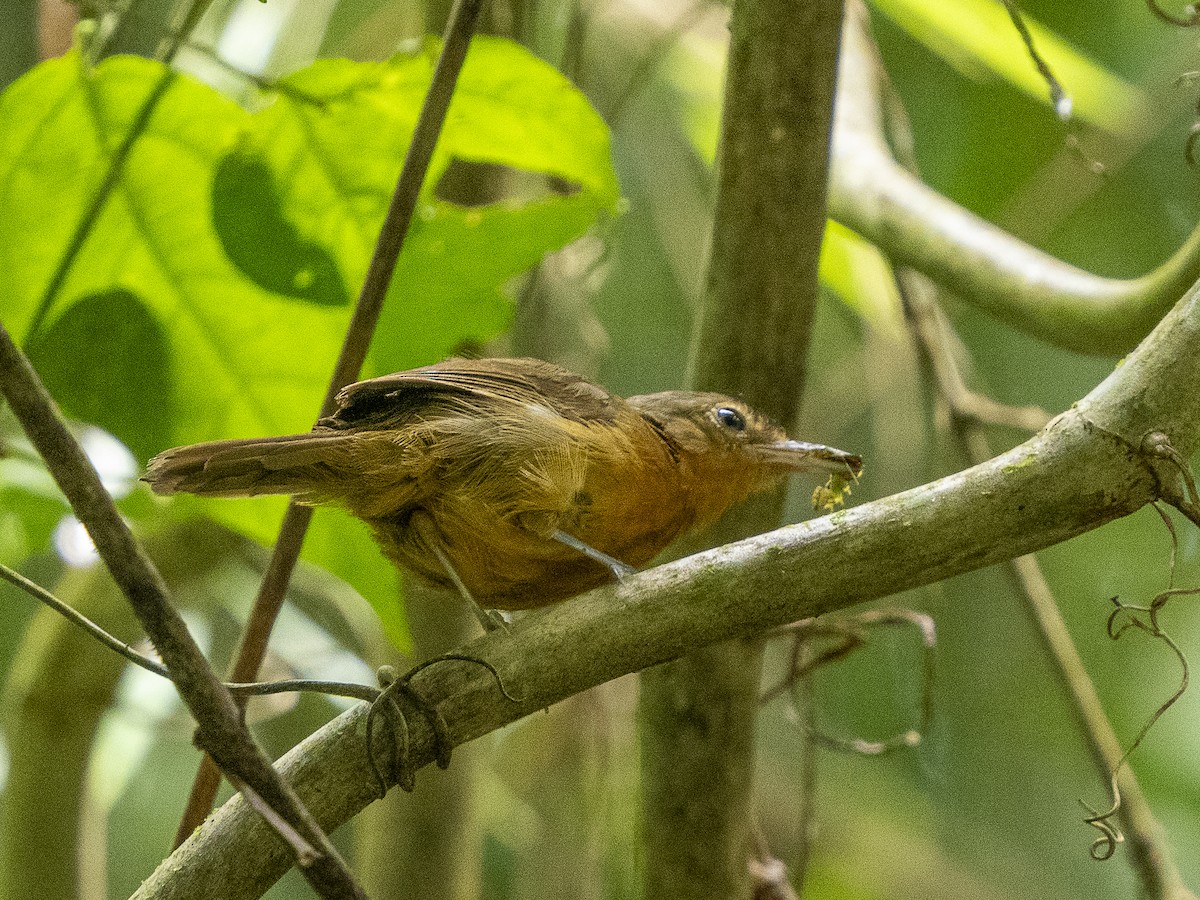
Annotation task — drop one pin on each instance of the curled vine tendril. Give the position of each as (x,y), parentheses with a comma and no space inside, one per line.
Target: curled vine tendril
(1123,618)
(1187,501)
(850,635)
(1189,18)
(387,706)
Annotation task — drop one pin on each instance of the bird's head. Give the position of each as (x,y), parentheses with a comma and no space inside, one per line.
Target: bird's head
(731,450)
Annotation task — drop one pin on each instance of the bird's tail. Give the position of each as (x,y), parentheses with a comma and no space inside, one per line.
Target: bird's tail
(300,464)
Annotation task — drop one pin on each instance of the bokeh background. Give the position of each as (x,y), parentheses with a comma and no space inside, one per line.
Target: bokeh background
(987,806)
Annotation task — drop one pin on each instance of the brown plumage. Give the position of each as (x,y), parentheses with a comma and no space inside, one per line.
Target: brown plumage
(487,466)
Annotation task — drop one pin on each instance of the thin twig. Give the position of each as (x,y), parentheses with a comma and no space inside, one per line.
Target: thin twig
(244,689)
(1157,873)
(306,854)
(220,728)
(851,636)
(77,618)
(807,797)
(391,239)
(1058,96)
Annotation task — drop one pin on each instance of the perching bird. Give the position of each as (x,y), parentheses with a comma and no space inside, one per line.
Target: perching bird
(514,480)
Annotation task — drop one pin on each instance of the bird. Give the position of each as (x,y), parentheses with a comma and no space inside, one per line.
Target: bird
(513,481)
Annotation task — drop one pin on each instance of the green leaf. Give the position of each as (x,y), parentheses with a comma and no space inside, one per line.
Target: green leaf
(86,356)
(332,142)
(234,363)
(248,218)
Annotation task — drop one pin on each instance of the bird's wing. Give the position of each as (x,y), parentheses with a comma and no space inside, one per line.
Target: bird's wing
(464,384)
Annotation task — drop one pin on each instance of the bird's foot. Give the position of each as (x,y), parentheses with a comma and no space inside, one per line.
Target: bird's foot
(387,704)
(620,570)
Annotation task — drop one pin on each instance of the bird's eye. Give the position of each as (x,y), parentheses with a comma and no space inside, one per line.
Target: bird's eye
(730,418)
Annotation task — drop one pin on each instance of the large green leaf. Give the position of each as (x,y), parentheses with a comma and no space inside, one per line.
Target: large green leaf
(234,363)
(336,120)
(211,294)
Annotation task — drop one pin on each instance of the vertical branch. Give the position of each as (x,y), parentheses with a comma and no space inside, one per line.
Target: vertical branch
(698,713)
(269,600)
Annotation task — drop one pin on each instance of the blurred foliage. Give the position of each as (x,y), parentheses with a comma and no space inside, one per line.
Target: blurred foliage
(210,299)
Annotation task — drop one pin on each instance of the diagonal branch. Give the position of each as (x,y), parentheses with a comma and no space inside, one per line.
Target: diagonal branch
(1085,469)
(392,234)
(220,729)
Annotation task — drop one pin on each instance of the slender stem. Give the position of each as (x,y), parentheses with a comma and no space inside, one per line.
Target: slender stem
(220,728)
(404,200)
(76,618)
(91,214)
(807,795)
(391,239)
(244,689)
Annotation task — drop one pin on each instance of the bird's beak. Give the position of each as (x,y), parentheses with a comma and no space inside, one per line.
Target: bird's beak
(797,456)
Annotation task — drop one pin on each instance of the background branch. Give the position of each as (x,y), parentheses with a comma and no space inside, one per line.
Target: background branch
(977,261)
(698,713)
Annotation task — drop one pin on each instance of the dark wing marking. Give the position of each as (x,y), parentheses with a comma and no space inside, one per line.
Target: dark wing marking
(391,400)
(660,430)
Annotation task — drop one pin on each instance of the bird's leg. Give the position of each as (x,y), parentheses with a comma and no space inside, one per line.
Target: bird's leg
(620,570)
(490,619)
